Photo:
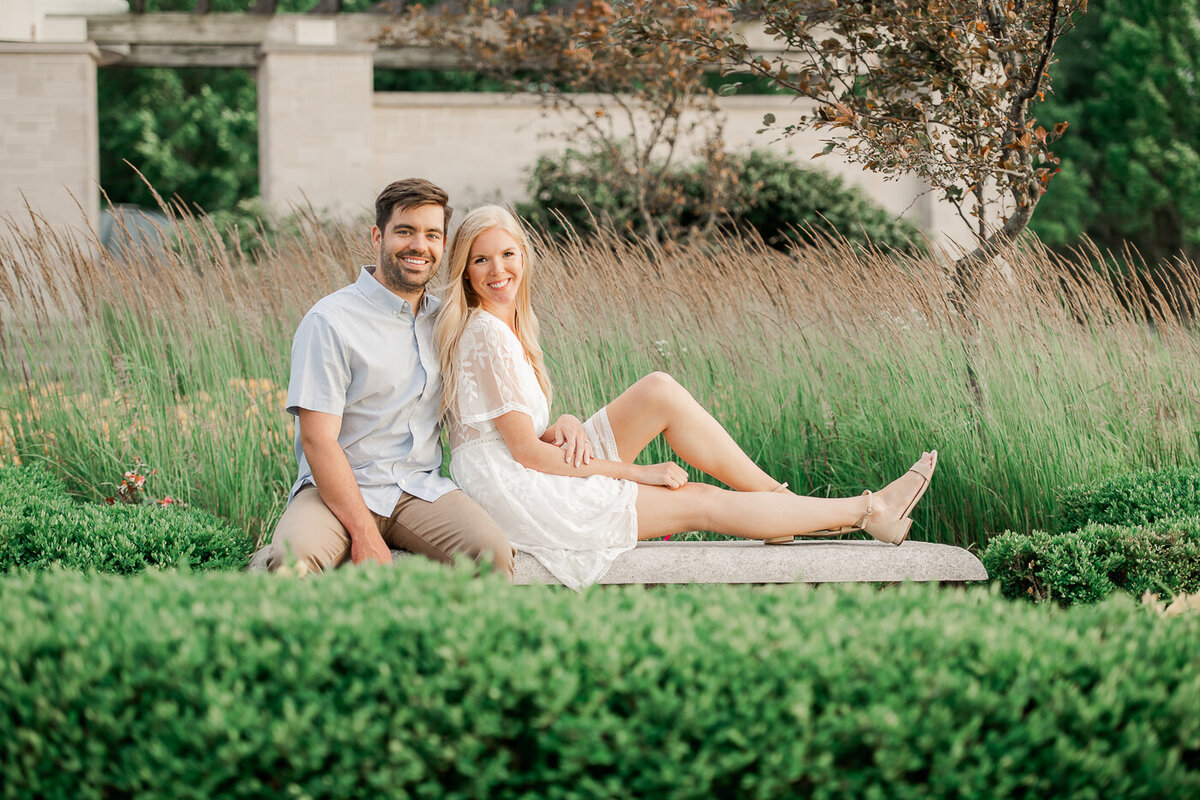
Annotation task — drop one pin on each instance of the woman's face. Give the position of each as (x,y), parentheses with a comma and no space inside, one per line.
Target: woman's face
(494,270)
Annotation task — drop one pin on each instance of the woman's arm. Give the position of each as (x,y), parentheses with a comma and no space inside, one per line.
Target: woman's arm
(516,428)
(568,435)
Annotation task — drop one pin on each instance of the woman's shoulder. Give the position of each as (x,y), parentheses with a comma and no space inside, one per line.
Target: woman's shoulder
(477,319)
(481,322)
(485,330)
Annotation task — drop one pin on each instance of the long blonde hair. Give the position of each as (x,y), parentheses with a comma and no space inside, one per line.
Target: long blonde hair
(458,299)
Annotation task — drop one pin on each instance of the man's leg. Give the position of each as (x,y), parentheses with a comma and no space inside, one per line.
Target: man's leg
(308,533)
(452,524)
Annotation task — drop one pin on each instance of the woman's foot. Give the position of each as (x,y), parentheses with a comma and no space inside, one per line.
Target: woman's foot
(887,514)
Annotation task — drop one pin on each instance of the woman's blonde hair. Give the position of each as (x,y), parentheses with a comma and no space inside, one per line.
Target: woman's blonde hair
(459,300)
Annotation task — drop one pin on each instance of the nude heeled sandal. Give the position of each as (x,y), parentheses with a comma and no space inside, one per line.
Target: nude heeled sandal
(894,532)
(927,474)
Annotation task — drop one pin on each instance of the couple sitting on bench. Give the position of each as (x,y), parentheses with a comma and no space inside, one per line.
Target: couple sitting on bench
(378,365)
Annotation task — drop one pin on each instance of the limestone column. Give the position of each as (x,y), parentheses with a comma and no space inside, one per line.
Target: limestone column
(315,105)
(49,148)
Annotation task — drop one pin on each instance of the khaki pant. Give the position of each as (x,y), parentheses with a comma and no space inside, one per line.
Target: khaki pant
(309,533)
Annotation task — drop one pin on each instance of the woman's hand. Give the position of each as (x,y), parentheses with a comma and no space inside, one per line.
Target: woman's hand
(668,474)
(567,433)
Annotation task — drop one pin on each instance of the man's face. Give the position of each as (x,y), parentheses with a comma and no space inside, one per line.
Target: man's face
(410,247)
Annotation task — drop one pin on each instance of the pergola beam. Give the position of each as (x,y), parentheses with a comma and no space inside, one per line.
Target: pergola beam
(235,40)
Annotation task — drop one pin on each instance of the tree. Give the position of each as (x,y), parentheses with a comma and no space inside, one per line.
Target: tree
(940,88)
(1128,80)
(632,101)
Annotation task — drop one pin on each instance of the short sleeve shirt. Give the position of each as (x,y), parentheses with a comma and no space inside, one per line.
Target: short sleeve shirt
(363,354)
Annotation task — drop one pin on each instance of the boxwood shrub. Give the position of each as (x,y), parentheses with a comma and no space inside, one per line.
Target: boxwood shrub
(41,526)
(782,201)
(1132,498)
(1087,565)
(419,681)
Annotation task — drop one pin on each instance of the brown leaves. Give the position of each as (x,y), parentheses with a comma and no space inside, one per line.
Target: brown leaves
(939,88)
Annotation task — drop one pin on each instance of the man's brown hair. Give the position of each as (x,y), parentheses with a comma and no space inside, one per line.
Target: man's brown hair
(406,194)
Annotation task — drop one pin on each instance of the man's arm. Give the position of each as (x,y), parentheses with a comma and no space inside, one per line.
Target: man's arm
(339,490)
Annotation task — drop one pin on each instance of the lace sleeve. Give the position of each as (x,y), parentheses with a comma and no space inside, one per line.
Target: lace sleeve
(490,364)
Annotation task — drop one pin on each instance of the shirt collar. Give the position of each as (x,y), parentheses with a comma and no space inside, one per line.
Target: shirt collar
(385,298)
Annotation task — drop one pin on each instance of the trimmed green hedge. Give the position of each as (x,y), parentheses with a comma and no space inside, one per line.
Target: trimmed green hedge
(418,681)
(1087,565)
(784,202)
(42,527)
(1132,498)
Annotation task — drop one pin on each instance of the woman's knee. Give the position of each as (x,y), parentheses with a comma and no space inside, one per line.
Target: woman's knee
(703,503)
(661,387)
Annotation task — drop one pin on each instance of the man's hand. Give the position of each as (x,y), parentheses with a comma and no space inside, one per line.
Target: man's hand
(567,432)
(370,547)
(338,487)
(668,474)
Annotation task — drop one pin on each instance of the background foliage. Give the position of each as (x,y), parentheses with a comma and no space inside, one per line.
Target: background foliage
(193,133)
(1125,80)
(756,193)
(1128,79)
(190,132)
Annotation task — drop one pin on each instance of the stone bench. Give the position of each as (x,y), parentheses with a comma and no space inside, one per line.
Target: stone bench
(805,561)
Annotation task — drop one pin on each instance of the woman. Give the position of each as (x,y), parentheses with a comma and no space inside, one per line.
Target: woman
(569,493)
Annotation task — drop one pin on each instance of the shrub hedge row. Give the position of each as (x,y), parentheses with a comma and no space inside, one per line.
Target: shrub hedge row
(782,201)
(419,681)
(41,527)
(1137,532)
(1087,565)
(1131,498)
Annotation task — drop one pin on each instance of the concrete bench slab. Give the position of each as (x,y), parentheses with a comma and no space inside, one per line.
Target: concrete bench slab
(805,561)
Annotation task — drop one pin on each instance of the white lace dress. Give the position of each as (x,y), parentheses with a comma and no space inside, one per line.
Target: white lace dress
(574,526)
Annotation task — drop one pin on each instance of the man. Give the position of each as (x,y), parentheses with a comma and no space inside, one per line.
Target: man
(366,389)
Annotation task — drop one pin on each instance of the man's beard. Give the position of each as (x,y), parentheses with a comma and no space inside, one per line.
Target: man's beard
(394,275)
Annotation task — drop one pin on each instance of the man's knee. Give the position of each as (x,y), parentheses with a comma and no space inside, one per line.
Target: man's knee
(308,536)
(284,556)
(483,540)
(494,546)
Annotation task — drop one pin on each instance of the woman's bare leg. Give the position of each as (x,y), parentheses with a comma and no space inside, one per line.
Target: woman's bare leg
(762,515)
(658,404)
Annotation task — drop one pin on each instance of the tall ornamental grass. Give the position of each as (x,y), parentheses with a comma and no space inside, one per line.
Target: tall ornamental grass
(833,367)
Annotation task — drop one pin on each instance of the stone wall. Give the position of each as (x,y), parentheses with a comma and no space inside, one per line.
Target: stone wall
(314,132)
(48,140)
(480,146)
(327,139)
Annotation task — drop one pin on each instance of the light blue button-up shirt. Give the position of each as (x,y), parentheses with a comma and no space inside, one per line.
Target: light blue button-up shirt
(361,353)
